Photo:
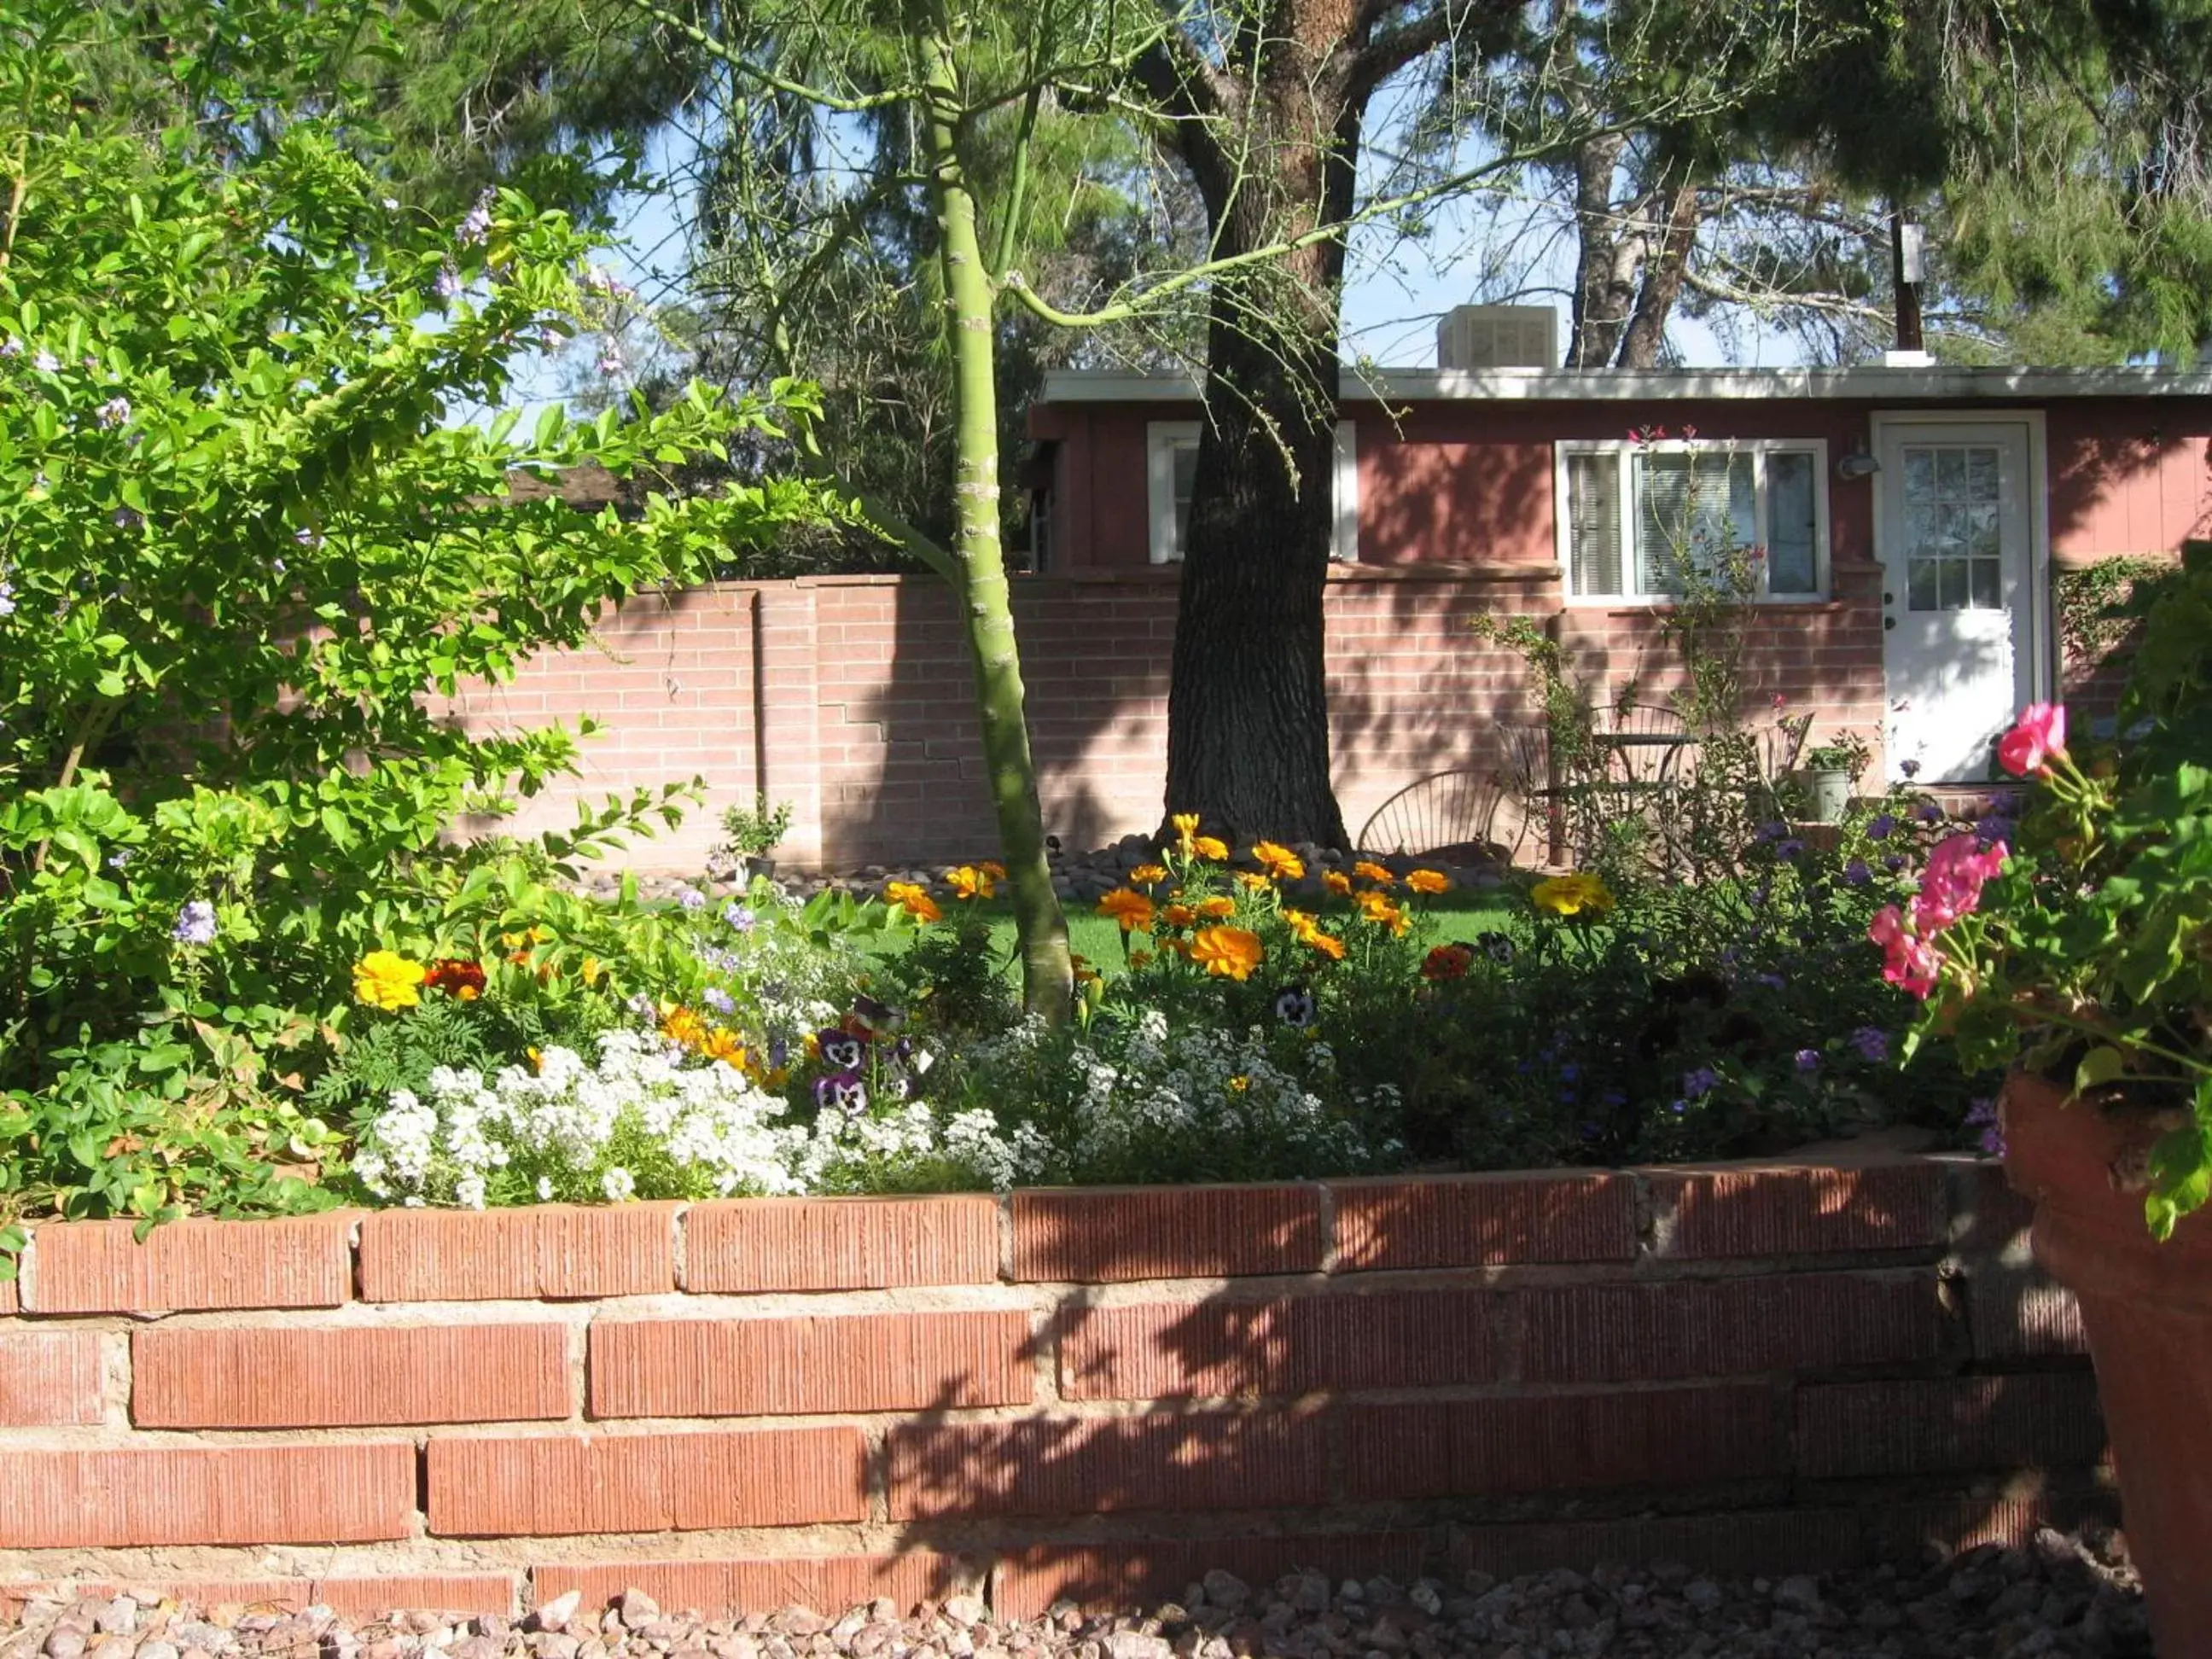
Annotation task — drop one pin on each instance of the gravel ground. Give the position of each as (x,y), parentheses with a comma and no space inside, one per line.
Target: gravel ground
(2063,1596)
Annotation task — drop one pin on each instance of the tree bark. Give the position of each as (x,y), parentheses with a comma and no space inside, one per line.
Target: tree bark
(1248,705)
(1047,976)
(1663,282)
(1606,255)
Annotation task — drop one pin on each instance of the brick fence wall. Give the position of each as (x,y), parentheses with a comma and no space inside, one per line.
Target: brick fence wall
(1093,1394)
(853,698)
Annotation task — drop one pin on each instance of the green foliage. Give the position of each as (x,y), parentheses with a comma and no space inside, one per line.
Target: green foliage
(2085,958)
(2100,606)
(755,831)
(245,545)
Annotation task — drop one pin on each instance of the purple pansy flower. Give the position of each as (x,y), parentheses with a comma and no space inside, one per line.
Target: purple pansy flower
(1857,872)
(1872,1043)
(841,1091)
(841,1051)
(1700,1082)
(1809,1059)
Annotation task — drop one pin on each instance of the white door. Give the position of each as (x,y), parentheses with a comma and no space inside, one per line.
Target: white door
(1959,611)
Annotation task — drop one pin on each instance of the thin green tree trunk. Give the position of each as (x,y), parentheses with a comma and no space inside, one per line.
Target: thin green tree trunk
(1047,973)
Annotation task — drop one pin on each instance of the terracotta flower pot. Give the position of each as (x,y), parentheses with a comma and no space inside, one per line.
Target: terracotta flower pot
(2147,1309)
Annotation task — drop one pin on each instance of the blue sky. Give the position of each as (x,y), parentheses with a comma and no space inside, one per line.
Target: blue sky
(1394,293)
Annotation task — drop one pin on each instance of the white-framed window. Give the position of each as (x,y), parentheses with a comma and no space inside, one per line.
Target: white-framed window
(1171,462)
(1629,512)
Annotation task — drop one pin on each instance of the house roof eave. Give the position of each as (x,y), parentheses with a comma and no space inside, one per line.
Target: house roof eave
(1869,383)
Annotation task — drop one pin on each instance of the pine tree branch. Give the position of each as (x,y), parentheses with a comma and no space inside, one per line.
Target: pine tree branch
(859,104)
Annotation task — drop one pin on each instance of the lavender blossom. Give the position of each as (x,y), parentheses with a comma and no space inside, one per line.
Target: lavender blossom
(195,924)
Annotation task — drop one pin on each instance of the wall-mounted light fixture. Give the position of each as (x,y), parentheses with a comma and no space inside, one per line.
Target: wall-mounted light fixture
(1857,465)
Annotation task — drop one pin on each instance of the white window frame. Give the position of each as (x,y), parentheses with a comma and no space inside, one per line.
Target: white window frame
(1164,438)
(1631,515)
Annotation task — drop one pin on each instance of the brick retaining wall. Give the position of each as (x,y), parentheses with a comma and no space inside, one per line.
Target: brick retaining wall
(1093,1393)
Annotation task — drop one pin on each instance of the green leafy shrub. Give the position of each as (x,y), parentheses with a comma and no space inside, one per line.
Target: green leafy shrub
(245,545)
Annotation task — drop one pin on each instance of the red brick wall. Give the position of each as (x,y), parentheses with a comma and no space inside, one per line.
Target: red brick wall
(1089,1393)
(863,716)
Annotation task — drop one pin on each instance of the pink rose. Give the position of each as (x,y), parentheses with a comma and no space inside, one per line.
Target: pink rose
(2035,737)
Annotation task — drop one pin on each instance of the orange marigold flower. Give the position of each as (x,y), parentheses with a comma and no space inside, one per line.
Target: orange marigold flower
(969,882)
(1327,943)
(912,899)
(1447,961)
(1378,909)
(1145,874)
(1128,907)
(682,1025)
(1139,958)
(1209,846)
(1368,870)
(993,868)
(1278,860)
(1336,881)
(1230,952)
(1178,916)
(1253,882)
(1301,922)
(1428,881)
(1216,909)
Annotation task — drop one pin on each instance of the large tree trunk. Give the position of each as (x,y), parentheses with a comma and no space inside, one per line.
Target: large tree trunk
(1248,710)
(1247,707)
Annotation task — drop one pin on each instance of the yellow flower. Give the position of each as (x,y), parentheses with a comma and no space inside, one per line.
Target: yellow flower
(1327,943)
(1301,922)
(723,1044)
(1216,909)
(1279,861)
(1186,828)
(682,1025)
(1336,881)
(1230,952)
(1128,907)
(1572,894)
(1178,916)
(386,980)
(1253,882)
(1145,874)
(914,900)
(1210,846)
(1239,1084)
(592,968)
(1378,909)
(1428,881)
(1366,870)
(969,882)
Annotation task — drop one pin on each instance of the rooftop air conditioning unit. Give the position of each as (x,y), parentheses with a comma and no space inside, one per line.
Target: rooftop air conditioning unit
(1499,337)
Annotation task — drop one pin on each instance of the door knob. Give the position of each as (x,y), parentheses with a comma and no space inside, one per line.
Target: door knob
(1888,622)
(1889,598)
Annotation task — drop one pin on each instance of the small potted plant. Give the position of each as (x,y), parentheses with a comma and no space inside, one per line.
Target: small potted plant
(750,834)
(1826,775)
(2077,950)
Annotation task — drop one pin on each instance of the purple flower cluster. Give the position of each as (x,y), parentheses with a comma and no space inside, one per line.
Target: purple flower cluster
(195,924)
